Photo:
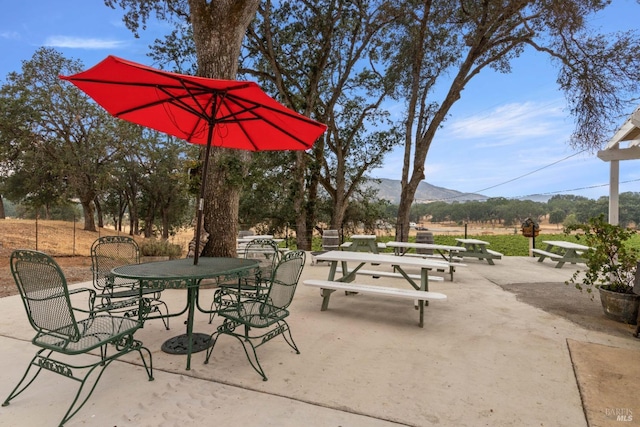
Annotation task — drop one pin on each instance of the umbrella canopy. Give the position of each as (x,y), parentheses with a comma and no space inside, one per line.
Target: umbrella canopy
(221,113)
(243,115)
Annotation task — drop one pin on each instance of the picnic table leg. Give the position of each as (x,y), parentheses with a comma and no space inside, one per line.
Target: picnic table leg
(326,294)
(452,269)
(488,258)
(422,304)
(569,253)
(542,256)
(332,270)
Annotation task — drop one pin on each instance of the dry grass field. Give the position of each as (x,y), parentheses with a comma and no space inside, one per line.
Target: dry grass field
(67,242)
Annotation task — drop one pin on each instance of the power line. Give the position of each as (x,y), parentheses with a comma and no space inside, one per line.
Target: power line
(580,188)
(535,171)
(532,172)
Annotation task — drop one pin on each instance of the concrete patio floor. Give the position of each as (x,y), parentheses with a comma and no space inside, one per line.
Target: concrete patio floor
(486,357)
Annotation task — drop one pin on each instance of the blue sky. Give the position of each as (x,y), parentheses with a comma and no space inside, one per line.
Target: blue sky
(504,126)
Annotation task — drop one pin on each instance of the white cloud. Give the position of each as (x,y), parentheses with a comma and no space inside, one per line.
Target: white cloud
(10,35)
(509,124)
(82,43)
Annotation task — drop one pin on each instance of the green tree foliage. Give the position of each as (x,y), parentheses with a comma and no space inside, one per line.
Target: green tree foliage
(557,216)
(58,145)
(59,128)
(164,204)
(441,46)
(323,59)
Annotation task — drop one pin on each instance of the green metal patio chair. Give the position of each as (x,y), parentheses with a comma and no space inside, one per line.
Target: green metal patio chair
(118,295)
(265,251)
(266,314)
(47,301)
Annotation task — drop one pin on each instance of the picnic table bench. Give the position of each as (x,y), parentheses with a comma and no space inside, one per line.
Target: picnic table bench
(380,273)
(328,286)
(562,252)
(478,249)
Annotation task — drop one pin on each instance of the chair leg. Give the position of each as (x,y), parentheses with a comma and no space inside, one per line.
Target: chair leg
(105,361)
(255,363)
(78,403)
(89,379)
(147,366)
(165,319)
(244,340)
(152,305)
(26,378)
(290,341)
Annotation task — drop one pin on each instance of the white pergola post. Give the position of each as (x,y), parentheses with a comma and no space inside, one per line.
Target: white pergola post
(614,191)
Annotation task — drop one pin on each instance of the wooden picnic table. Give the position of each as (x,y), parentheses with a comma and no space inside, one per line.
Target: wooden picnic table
(348,275)
(363,243)
(446,252)
(561,251)
(478,249)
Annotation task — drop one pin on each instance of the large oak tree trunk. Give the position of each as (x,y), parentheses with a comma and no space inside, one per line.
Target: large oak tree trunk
(218,29)
(89,214)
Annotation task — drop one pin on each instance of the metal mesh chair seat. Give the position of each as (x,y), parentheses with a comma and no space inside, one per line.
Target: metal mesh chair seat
(256,321)
(47,301)
(93,333)
(255,314)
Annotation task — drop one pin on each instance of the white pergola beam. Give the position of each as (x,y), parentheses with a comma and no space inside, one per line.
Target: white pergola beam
(630,153)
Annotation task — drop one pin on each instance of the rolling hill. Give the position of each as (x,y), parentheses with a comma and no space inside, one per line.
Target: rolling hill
(389,189)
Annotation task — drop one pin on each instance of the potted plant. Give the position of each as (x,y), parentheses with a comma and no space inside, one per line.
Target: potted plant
(611,267)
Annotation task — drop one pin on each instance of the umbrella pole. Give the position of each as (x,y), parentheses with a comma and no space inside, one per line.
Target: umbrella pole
(201,201)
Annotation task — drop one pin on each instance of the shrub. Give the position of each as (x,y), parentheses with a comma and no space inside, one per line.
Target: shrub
(611,261)
(155,247)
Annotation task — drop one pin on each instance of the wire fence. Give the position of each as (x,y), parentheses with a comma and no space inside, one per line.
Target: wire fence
(59,238)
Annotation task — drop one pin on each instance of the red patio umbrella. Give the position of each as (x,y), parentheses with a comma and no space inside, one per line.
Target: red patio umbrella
(212,112)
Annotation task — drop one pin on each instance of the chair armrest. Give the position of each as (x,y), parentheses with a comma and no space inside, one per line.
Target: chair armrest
(90,300)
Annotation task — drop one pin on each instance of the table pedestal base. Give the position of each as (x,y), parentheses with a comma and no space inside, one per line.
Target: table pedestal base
(179,344)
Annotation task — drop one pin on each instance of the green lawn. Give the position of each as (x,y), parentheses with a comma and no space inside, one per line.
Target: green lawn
(507,244)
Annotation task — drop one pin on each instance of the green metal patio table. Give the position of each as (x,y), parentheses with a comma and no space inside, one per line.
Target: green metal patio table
(182,273)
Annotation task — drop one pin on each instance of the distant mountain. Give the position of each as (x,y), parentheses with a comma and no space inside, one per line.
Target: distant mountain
(389,189)
(542,198)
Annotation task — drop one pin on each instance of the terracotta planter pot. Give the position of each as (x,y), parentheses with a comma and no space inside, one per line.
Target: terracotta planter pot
(620,307)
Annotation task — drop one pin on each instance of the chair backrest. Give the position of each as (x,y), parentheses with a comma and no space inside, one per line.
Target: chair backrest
(108,252)
(265,251)
(44,292)
(285,279)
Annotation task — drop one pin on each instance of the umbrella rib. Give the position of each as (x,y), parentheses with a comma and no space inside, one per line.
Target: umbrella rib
(172,99)
(297,116)
(204,116)
(289,113)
